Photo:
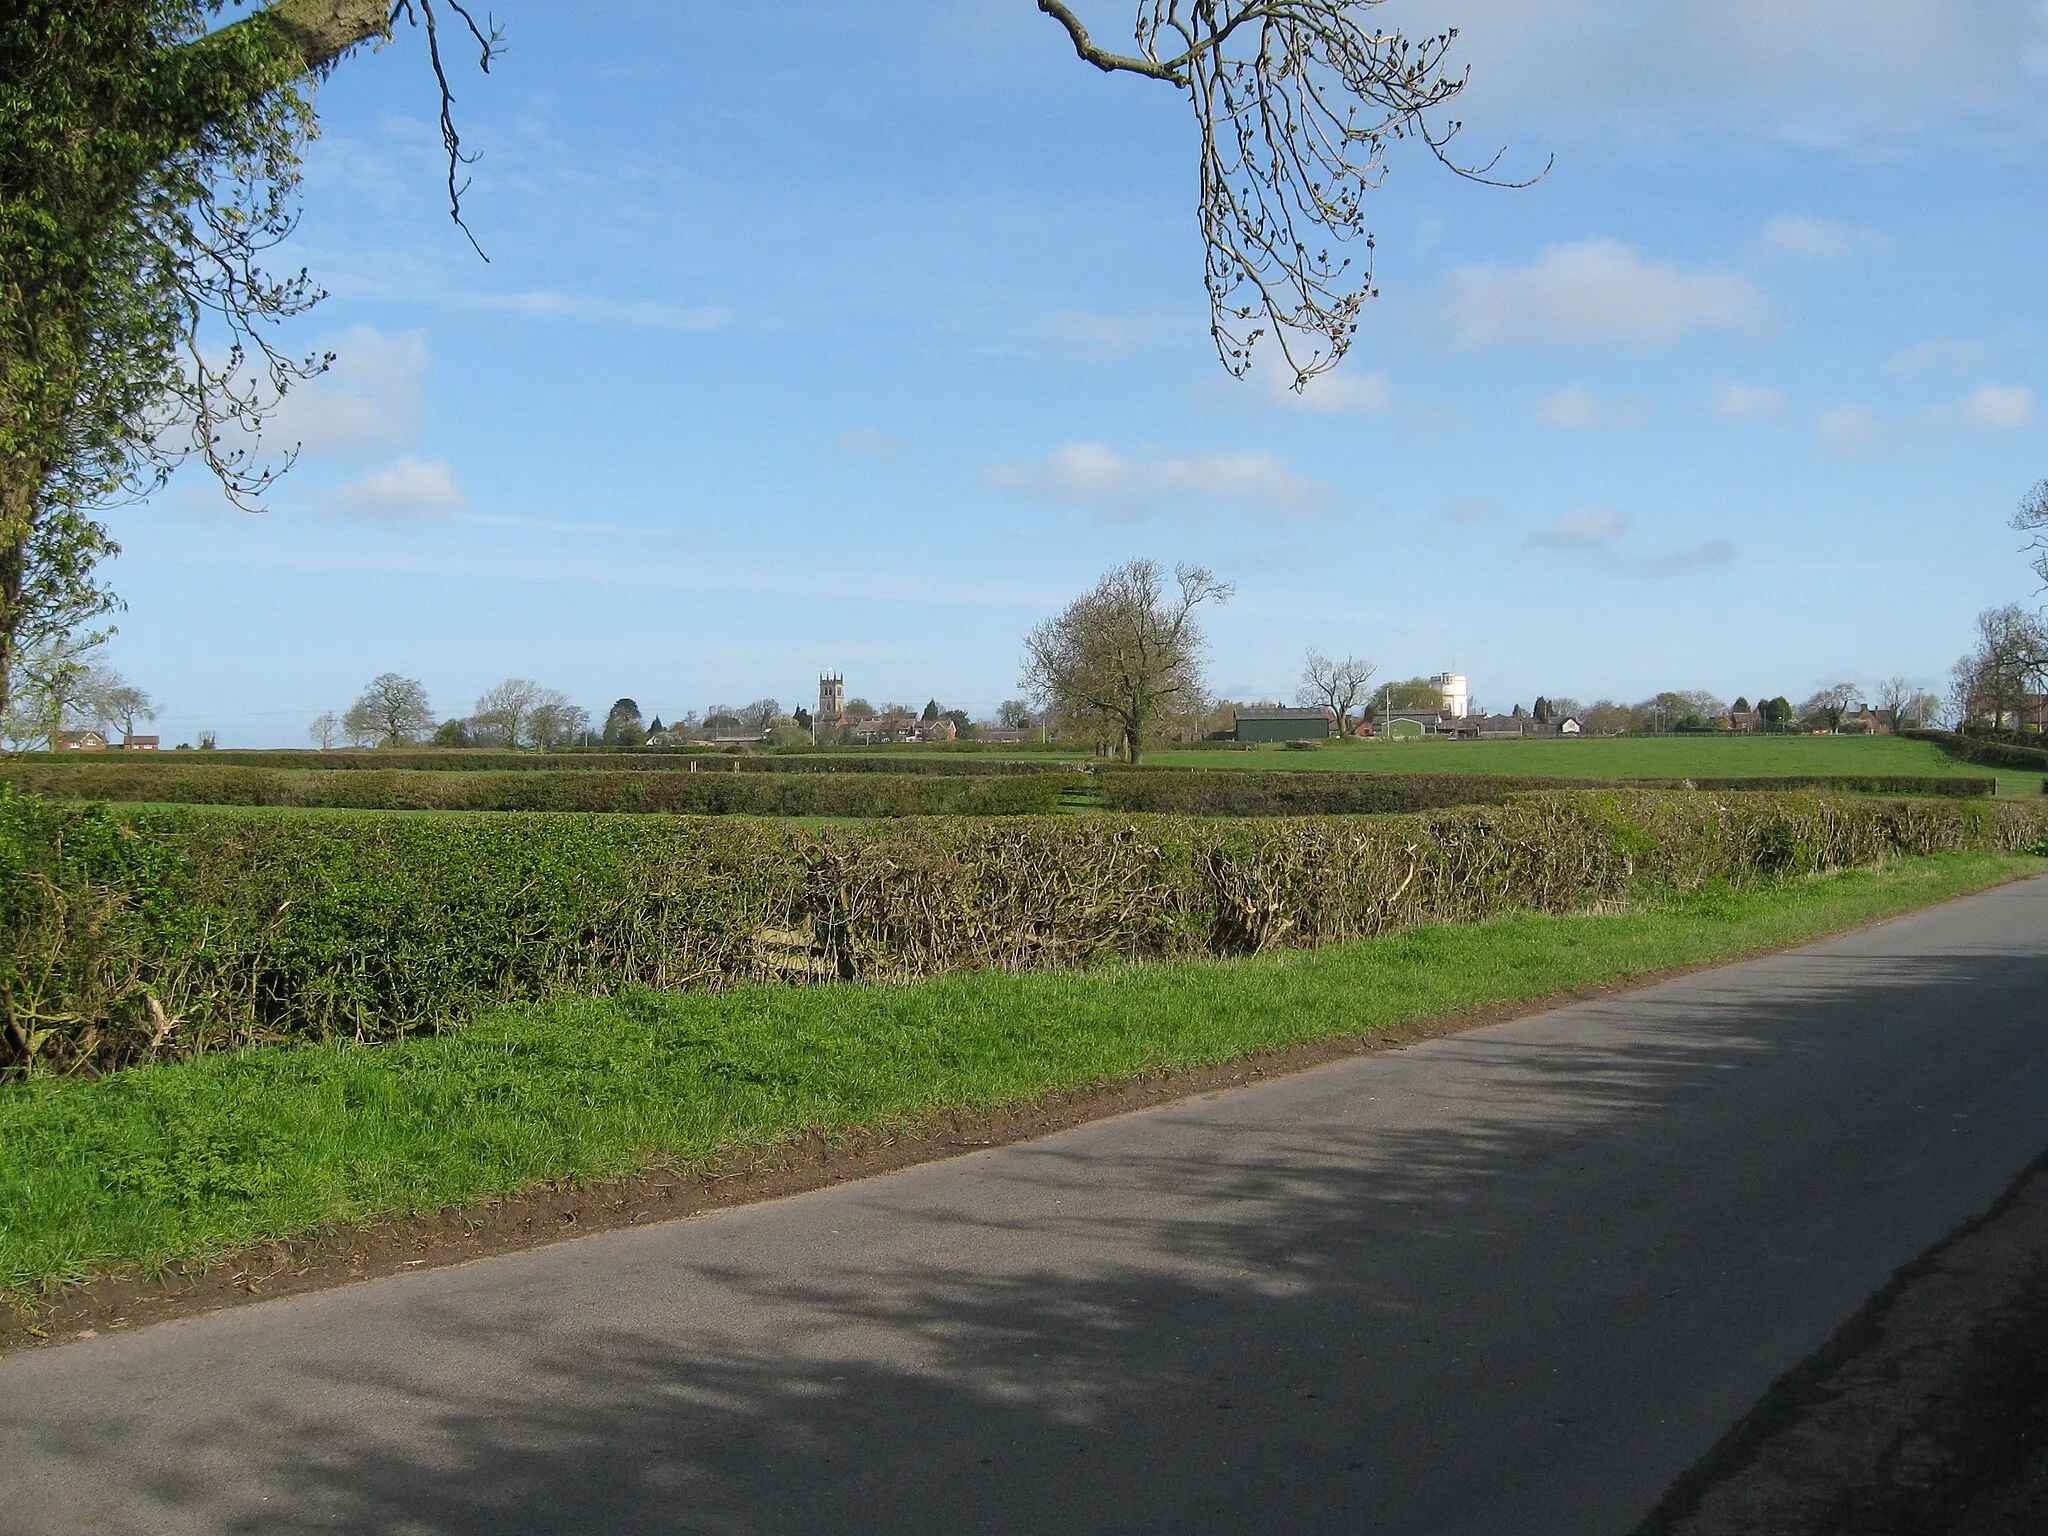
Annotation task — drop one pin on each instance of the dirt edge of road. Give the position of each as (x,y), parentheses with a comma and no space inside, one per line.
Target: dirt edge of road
(552,1213)
(1925,1415)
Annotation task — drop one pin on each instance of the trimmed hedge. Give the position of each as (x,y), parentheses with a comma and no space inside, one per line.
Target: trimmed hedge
(1196,792)
(1986,751)
(469,760)
(712,794)
(153,932)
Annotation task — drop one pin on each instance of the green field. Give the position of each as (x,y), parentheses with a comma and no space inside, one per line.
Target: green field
(159,1164)
(1621,757)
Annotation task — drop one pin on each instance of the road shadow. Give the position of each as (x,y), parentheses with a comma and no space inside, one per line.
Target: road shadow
(1513,1281)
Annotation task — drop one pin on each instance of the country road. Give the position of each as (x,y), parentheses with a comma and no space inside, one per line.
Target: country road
(1514,1281)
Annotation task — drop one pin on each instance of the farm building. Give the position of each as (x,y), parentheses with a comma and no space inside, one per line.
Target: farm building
(1284,725)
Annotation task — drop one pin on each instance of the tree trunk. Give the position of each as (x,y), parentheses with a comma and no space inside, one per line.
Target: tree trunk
(21,485)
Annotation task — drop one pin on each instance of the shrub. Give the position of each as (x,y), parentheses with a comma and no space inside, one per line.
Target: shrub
(642,760)
(754,794)
(1230,793)
(148,932)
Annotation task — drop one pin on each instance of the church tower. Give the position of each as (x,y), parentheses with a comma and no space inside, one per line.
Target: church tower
(831,698)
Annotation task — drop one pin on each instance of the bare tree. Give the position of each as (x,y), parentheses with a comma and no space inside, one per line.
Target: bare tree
(506,712)
(555,722)
(1013,714)
(326,729)
(114,702)
(1912,707)
(2032,517)
(1995,684)
(1334,685)
(1123,655)
(392,712)
(1295,103)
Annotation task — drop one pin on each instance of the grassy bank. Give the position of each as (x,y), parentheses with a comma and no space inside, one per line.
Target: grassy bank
(172,1162)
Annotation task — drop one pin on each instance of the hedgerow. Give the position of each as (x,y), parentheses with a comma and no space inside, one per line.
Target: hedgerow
(1986,751)
(1198,792)
(149,932)
(723,793)
(928,759)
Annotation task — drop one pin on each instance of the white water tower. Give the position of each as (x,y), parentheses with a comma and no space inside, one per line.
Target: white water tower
(1456,694)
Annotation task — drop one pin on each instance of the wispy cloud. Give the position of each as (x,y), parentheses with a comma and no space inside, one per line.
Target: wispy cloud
(1332,394)
(1471,509)
(1093,475)
(1848,429)
(1597,291)
(1748,402)
(545,304)
(1598,539)
(866,440)
(1811,239)
(409,488)
(1939,351)
(1993,407)
(1575,406)
(1101,338)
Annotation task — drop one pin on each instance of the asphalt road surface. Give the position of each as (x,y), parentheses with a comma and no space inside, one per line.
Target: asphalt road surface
(1512,1281)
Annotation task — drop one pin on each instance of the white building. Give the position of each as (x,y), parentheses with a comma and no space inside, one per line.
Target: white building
(1455,692)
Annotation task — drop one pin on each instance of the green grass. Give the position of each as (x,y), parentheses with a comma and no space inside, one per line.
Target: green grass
(176,1162)
(1620,757)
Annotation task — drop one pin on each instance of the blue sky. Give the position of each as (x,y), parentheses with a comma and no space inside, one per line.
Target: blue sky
(864,334)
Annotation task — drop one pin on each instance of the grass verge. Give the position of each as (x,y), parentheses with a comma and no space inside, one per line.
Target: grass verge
(157,1165)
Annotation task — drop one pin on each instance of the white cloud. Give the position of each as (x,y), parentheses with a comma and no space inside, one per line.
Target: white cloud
(1598,538)
(1099,338)
(1597,291)
(1090,474)
(1950,351)
(866,440)
(1829,72)
(1333,393)
(409,488)
(1748,402)
(1847,428)
(1471,509)
(1694,557)
(1792,234)
(1581,531)
(1576,406)
(544,304)
(369,401)
(1997,407)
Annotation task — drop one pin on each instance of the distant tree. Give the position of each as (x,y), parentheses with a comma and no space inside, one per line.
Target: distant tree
(859,709)
(1824,711)
(622,726)
(1119,657)
(655,728)
(115,703)
(1562,708)
(1540,711)
(1013,714)
(963,727)
(1896,695)
(1778,714)
(392,711)
(1740,706)
(555,722)
(722,717)
(1604,717)
(325,730)
(1992,685)
(52,688)
(505,714)
(1334,685)
(209,740)
(931,710)
(452,733)
(802,719)
(1414,693)
(760,714)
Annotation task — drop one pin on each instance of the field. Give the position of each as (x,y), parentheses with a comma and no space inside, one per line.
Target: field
(1620,757)
(181,1161)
